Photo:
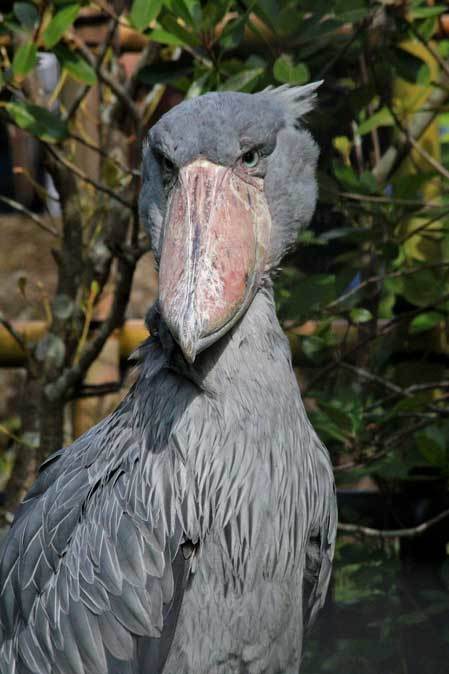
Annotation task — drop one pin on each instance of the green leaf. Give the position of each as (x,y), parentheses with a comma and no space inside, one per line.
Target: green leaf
(27,14)
(37,121)
(164,37)
(243,81)
(143,12)
(431,443)
(233,34)
(284,70)
(425,322)
(347,177)
(171,25)
(351,10)
(368,182)
(381,118)
(314,348)
(75,65)
(359,315)
(422,288)
(426,12)
(24,59)
(326,427)
(341,417)
(61,21)
(188,10)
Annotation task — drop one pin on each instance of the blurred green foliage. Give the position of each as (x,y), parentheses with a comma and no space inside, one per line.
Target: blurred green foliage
(382,620)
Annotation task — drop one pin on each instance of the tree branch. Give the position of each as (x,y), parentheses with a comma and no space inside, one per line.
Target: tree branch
(411,203)
(97,390)
(77,171)
(381,277)
(420,121)
(388,327)
(15,335)
(439,168)
(112,83)
(410,532)
(105,155)
(72,376)
(398,390)
(97,66)
(35,218)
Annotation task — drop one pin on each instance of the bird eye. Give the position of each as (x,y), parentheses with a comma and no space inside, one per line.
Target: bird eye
(167,165)
(168,171)
(250,159)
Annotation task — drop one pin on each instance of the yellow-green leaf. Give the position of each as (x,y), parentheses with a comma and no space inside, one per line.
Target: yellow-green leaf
(37,121)
(164,37)
(143,12)
(24,59)
(360,315)
(243,81)
(381,118)
(425,321)
(61,21)
(75,65)
(284,70)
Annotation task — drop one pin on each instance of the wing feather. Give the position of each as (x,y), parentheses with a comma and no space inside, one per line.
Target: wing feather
(323,532)
(88,576)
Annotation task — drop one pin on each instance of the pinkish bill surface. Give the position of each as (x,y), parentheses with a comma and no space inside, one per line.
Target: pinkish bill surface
(214,249)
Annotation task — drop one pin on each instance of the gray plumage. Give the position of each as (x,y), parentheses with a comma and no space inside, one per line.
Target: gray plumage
(192,531)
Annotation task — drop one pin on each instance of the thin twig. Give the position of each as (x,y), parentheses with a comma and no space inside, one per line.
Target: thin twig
(77,171)
(14,334)
(73,375)
(99,62)
(388,327)
(384,200)
(103,75)
(427,44)
(35,218)
(105,155)
(374,131)
(353,465)
(399,391)
(410,532)
(110,12)
(380,277)
(420,121)
(15,437)
(424,226)
(363,25)
(369,376)
(97,390)
(439,168)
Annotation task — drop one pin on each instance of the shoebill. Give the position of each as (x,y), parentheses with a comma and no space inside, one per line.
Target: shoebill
(192,531)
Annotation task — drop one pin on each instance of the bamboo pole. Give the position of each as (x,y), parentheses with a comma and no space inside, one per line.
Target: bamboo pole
(134,332)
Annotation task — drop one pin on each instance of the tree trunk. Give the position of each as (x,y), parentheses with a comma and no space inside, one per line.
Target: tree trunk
(51,418)
(26,453)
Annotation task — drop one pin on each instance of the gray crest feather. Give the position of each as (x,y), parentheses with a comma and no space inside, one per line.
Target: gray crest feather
(298,101)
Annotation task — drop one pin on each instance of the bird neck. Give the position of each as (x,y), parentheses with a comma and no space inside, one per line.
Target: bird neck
(253,350)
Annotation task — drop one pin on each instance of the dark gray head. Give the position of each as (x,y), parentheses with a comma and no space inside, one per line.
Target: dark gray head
(228,180)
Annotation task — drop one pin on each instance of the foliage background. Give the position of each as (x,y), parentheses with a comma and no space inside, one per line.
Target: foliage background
(372,272)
